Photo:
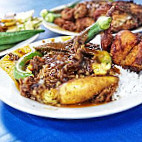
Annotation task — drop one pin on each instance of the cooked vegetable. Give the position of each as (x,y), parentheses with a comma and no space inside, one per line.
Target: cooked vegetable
(14,37)
(101,24)
(51,16)
(19,70)
(10,23)
(103,64)
(43,13)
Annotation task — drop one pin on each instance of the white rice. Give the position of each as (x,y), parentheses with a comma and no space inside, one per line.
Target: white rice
(130,83)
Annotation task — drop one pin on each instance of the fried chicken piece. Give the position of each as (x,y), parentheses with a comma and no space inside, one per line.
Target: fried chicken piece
(106,40)
(67,14)
(123,21)
(59,21)
(128,16)
(102,10)
(134,59)
(130,7)
(122,45)
(126,50)
(80,11)
(83,23)
(68,25)
(93,6)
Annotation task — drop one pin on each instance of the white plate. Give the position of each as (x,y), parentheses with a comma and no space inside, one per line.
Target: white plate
(55,28)
(11,96)
(23,43)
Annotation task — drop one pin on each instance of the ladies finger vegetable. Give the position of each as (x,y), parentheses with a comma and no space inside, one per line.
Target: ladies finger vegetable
(14,37)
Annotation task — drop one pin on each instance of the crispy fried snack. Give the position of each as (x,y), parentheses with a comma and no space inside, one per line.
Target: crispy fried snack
(122,45)
(126,50)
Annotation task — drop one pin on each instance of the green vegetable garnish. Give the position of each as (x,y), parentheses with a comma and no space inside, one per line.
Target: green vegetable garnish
(19,70)
(43,13)
(100,25)
(14,37)
(50,17)
(103,63)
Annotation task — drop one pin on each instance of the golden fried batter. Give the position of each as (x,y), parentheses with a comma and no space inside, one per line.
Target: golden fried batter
(126,50)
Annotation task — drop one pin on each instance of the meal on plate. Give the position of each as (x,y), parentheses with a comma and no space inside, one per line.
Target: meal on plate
(15,28)
(77,72)
(78,16)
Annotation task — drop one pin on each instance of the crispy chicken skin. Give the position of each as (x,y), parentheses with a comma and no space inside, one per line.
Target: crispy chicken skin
(69,25)
(106,40)
(102,10)
(67,14)
(80,10)
(122,45)
(133,60)
(126,50)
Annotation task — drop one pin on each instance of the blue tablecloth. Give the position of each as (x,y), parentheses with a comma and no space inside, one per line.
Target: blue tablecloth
(17,126)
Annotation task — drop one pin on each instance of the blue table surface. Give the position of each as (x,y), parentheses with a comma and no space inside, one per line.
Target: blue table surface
(16,126)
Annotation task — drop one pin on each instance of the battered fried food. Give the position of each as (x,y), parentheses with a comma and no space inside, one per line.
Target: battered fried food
(67,14)
(106,40)
(80,10)
(69,25)
(75,91)
(126,50)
